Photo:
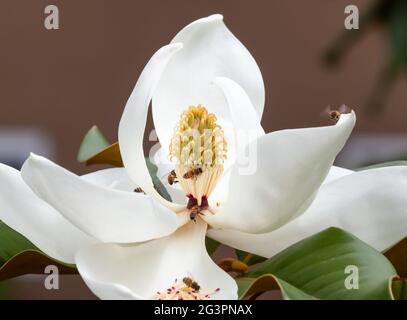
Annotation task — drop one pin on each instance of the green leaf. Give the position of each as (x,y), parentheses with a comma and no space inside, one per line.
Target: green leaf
(249,258)
(93,142)
(384,164)
(316,266)
(211,245)
(18,256)
(11,243)
(248,287)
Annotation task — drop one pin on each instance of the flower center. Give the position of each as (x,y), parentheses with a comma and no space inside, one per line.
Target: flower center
(187,289)
(199,148)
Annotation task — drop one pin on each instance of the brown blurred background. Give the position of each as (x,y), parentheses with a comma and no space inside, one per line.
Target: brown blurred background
(62,82)
(56,84)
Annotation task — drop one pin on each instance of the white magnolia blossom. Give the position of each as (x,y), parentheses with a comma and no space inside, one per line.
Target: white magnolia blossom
(130,245)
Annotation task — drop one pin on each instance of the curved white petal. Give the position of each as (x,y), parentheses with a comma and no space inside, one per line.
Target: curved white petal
(243,115)
(45,227)
(210,51)
(106,214)
(113,271)
(133,122)
(113,178)
(246,123)
(287,167)
(221,191)
(370,204)
(336,173)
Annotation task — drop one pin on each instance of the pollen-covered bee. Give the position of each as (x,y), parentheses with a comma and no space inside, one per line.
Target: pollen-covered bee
(191,283)
(172,178)
(192,173)
(139,190)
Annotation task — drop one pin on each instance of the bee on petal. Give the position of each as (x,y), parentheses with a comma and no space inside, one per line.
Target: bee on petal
(172,178)
(334,115)
(139,190)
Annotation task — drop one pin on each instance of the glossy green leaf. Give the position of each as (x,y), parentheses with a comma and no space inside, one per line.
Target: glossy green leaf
(317,266)
(18,256)
(12,243)
(248,287)
(93,142)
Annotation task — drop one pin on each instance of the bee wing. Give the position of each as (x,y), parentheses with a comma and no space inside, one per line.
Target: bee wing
(325,113)
(344,109)
(165,176)
(189,275)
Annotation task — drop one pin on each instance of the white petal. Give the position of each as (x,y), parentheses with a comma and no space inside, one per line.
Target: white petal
(336,173)
(113,271)
(210,51)
(113,178)
(133,122)
(289,168)
(243,114)
(221,191)
(106,214)
(370,204)
(246,123)
(46,228)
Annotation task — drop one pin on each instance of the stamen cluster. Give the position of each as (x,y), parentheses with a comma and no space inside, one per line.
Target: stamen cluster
(198,140)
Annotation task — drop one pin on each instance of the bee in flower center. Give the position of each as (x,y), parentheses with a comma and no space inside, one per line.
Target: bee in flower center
(187,289)
(194,208)
(193,173)
(191,283)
